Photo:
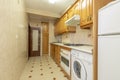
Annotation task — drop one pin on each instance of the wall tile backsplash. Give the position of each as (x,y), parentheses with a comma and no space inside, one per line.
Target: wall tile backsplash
(82,36)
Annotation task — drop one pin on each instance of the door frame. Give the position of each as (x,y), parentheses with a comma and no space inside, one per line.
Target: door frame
(30,52)
(28,41)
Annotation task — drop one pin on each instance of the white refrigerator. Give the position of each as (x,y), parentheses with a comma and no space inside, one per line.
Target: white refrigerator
(109,42)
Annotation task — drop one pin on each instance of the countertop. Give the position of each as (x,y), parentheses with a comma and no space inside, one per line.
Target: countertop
(87,49)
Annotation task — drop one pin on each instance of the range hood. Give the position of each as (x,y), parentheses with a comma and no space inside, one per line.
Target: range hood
(73,21)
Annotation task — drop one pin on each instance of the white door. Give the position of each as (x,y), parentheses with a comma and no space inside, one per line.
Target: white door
(109,57)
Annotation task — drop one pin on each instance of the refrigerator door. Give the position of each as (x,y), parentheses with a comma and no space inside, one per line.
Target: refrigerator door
(109,19)
(109,57)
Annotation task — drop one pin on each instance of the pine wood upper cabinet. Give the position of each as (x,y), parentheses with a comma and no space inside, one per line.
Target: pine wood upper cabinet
(84,8)
(70,12)
(74,10)
(57,28)
(77,8)
(86,13)
(61,27)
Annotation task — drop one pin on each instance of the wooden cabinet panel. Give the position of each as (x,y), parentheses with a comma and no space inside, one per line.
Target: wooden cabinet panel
(91,8)
(86,13)
(55,53)
(71,29)
(61,27)
(52,51)
(83,12)
(70,12)
(64,26)
(77,8)
(57,28)
(84,8)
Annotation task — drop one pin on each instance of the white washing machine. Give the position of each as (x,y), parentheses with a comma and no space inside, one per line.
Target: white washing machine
(81,65)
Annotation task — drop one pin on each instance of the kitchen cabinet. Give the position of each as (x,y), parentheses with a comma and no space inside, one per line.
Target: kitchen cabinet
(65,28)
(74,10)
(86,13)
(77,8)
(70,12)
(52,51)
(55,53)
(61,27)
(57,28)
(84,8)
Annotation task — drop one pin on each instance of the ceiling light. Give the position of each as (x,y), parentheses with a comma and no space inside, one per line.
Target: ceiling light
(52,1)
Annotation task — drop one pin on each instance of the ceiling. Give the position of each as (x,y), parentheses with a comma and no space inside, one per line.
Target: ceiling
(43,10)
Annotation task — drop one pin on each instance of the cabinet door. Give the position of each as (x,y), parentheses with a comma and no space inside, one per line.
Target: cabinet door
(88,10)
(52,52)
(70,12)
(91,9)
(83,12)
(77,8)
(57,54)
(64,26)
(58,28)
(86,13)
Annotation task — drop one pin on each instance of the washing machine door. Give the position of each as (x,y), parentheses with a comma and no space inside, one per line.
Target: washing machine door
(79,71)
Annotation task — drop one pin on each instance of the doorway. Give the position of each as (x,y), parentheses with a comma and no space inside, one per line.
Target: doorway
(34,41)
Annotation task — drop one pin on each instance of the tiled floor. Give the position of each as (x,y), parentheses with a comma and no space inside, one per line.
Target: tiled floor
(42,68)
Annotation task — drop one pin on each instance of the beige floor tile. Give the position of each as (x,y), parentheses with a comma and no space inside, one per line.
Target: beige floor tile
(42,68)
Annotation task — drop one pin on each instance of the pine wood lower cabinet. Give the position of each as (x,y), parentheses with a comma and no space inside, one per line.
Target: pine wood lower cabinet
(52,51)
(55,54)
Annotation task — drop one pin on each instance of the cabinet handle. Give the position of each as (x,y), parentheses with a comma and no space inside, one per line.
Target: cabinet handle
(88,18)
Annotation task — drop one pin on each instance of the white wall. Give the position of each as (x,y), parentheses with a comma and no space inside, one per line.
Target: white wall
(13,39)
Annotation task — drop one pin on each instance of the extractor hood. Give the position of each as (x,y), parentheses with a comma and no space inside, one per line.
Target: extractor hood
(73,21)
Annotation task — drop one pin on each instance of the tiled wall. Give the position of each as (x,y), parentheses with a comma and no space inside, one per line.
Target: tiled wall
(13,39)
(51,34)
(82,36)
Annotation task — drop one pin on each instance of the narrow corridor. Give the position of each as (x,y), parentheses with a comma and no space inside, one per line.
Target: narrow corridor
(42,68)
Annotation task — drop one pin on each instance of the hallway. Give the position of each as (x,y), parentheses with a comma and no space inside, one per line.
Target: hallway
(42,68)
